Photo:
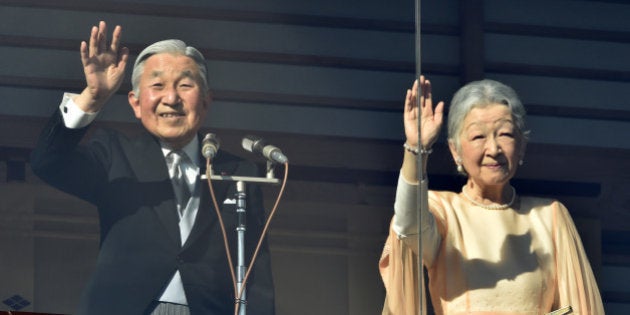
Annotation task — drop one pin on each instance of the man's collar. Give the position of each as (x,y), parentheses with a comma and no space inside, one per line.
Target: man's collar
(190,149)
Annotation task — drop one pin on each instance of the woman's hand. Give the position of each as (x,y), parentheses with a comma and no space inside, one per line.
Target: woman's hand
(430,119)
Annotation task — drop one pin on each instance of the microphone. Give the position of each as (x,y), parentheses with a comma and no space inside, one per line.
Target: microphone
(258,145)
(210,146)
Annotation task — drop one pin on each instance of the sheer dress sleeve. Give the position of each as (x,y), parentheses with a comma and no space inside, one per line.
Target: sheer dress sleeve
(575,280)
(399,261)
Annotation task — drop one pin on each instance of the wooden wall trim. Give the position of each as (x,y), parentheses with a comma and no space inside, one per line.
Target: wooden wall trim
(616,297)
(233,55)
(313,162)
(557,32)
(321,101)
(212,13)
(577,112)
(358,63)
(472,49)
(558,71)
(218,95)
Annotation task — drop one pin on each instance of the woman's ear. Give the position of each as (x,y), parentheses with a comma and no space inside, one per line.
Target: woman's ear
(456,157)
(521,152)
(454,151)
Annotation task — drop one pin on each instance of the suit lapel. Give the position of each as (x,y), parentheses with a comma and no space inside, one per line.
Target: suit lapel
(150,167)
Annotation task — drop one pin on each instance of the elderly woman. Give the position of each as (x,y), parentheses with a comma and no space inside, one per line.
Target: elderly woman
(487,250)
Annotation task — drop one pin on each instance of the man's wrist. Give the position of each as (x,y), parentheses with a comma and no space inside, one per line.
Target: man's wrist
(73,116)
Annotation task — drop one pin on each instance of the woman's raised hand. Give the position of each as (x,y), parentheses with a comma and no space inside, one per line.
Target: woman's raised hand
(430,120)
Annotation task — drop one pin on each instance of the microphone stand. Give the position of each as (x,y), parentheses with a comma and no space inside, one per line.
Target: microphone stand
(241,226)
(422,192)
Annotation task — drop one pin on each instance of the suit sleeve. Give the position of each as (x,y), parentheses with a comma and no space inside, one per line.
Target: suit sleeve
(60,161)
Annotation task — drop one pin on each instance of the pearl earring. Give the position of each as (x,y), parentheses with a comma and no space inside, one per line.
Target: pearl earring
(520,162)
(460,168)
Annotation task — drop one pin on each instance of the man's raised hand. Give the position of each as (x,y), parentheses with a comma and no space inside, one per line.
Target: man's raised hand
(104,67)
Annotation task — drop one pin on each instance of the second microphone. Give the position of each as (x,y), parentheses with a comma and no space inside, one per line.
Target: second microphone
(258,145)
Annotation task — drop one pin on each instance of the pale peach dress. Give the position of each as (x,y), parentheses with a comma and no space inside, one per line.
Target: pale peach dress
(526,259)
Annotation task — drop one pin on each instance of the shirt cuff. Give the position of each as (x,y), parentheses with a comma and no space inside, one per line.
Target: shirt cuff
(405,213)
(73,116)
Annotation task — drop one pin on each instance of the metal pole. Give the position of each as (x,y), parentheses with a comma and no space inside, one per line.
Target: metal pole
(241,227)
(422,178)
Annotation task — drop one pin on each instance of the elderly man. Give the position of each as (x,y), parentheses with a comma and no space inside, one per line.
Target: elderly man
(161,248)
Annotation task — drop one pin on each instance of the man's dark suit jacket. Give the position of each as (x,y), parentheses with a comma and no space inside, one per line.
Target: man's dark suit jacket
(128,181)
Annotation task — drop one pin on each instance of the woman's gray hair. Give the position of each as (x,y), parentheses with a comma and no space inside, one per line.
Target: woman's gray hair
(480,94)
(172,46)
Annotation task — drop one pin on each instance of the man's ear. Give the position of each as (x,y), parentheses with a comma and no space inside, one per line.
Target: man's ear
(134,102)
(207,99)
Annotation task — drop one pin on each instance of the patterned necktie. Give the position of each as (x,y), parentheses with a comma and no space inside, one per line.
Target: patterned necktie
(182,190)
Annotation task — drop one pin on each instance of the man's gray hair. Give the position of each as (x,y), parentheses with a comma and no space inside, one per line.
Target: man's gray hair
(172,46)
